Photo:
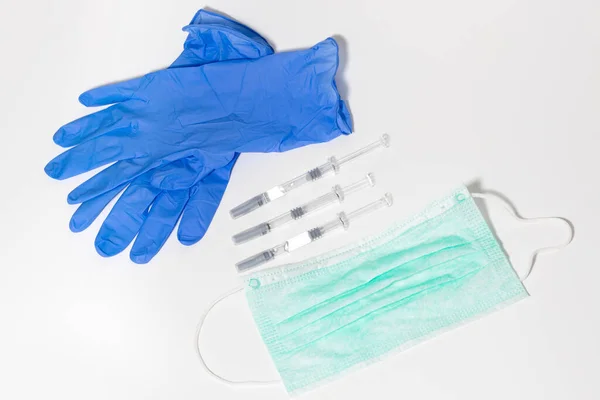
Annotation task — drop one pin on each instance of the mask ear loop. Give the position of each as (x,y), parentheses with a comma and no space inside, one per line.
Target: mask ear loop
(513,213)
(250,383)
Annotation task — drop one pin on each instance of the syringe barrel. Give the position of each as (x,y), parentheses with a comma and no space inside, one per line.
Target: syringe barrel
(281,220)
(319,202)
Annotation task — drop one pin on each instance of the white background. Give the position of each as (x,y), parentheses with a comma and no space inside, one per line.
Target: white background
(502,95)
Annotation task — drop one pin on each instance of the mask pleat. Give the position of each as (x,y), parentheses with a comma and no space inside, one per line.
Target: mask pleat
(398,285)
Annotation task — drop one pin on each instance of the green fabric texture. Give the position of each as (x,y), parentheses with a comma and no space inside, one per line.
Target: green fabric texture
(350,307)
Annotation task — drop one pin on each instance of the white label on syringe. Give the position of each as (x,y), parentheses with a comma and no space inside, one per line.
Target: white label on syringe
(275,193)
(297,241)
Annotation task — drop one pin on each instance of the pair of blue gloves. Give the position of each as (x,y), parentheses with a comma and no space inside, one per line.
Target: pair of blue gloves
(172,137)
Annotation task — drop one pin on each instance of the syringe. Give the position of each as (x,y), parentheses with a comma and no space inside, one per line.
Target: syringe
(336,195)
(331,166)
(342,221)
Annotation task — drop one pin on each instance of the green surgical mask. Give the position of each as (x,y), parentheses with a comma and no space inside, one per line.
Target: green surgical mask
(348,308)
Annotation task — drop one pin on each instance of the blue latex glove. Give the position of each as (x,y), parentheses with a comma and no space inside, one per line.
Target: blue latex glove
(322,117)
(211,38)
(210,112)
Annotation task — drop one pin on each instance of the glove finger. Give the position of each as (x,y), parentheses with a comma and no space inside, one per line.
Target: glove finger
(89,210)
(176,175)
(113,92)
(112,146)
(90,126)
(159,224)
(109,178)
(205,198)
(125,220)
